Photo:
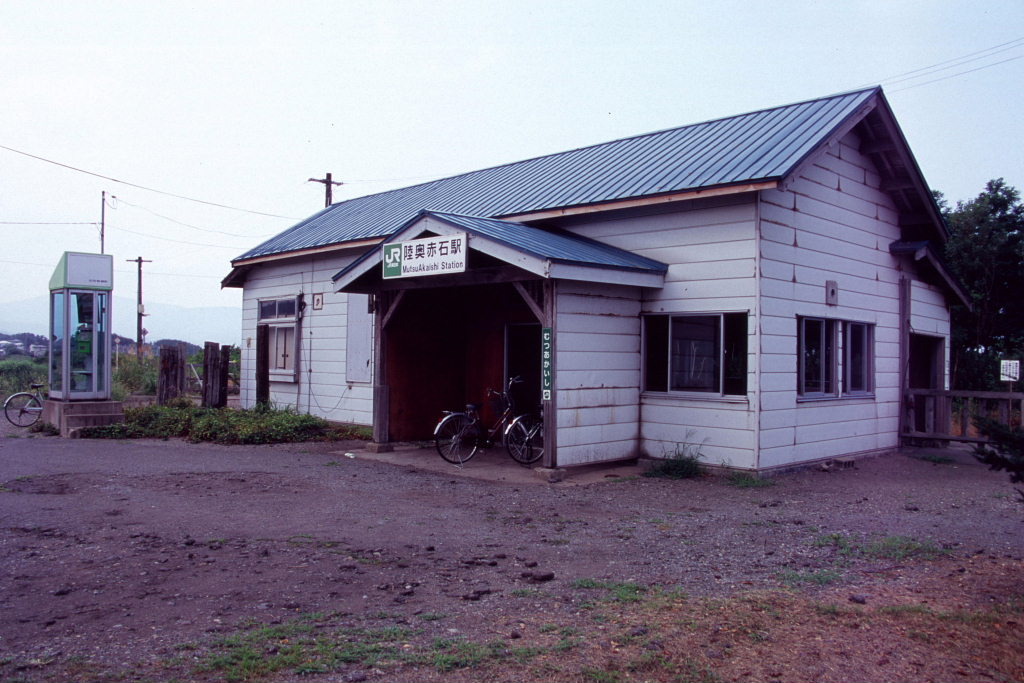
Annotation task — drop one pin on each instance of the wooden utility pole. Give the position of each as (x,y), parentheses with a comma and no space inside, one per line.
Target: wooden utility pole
(139,311)
(328,183)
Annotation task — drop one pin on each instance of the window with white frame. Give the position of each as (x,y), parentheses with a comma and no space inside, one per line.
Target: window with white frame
(824,346)
(705,353)
(281,317)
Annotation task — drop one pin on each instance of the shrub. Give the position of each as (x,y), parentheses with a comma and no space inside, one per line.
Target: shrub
(16,374)
(223,425)
(1006,452)
(134,375)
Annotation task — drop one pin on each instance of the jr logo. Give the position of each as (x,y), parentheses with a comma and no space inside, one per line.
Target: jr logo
(393,260)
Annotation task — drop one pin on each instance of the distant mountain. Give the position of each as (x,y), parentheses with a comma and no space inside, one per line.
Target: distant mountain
(163,321)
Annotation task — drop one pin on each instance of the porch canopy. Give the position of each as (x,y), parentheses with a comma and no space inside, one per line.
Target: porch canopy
(504,251)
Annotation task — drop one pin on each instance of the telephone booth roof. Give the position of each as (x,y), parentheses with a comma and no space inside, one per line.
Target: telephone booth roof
(83,271)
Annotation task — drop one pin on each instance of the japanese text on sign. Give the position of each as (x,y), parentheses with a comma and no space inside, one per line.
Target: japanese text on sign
(546,363)
(438,255)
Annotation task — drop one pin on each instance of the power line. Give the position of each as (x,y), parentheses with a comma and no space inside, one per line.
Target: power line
(44,222)
(961,73)
(170,239)
(116,270)
(143,187)
(954,62)
(189,225)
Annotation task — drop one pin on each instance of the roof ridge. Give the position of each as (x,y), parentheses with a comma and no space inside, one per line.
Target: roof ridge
(608,142)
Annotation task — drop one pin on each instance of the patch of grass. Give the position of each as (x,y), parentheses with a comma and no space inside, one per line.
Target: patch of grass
(301,647)
(905,609)
(841,542)
(618,591)
(432,616)
(449,654)
(600,675)
(820,577)
(902,548)
(934,458)
(745,480)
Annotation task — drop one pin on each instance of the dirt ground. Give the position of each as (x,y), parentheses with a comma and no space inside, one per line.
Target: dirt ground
(161,560)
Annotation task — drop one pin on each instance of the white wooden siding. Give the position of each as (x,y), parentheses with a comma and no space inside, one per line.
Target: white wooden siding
(597,372)
(831,223)
(711,250)
(323,387)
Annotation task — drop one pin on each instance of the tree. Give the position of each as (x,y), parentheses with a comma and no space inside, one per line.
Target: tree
(986,253)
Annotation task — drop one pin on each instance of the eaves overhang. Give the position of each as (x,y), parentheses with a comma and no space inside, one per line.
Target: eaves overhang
(537,252)
(923,251)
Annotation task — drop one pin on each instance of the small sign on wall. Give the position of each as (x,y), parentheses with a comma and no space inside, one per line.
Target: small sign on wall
(1009,371)
(546,363)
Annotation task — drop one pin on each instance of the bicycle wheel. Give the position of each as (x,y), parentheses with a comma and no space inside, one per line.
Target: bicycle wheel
(525,439)
(455,439)
(22,410)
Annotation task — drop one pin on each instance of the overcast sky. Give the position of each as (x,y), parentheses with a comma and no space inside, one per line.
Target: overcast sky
(238,104)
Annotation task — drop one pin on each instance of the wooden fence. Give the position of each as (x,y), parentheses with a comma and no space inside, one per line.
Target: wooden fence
(949,415)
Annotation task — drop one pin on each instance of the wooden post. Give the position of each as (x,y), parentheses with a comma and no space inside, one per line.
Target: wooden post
(215,374)
(225,368)
(906,402)
(172,373)
(262,365)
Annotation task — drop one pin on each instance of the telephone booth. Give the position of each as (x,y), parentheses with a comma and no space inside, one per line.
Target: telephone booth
(80,293)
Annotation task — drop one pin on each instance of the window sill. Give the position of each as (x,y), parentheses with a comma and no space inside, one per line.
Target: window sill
(288,377)
(673,396)
(844,397)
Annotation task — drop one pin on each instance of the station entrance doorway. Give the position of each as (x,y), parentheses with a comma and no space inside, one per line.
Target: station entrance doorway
(444,347)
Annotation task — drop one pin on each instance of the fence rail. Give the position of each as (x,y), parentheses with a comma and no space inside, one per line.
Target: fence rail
(949,415)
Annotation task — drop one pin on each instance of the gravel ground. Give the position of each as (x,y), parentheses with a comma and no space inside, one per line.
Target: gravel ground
(121,553)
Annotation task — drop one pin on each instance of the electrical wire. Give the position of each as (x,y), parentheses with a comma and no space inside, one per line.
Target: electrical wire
(189,225)
(170,239)
(954,62)
(961,73)
(143,187)
(47,223)
(116,270)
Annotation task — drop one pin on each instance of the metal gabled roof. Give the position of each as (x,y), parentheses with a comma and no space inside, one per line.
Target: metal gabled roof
(759,146)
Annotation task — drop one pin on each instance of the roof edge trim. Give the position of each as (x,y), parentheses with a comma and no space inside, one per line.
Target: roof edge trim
(641,201)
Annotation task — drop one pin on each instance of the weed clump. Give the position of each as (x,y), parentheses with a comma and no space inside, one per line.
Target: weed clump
(683,463)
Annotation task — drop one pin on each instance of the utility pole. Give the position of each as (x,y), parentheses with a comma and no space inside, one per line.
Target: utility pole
(327,186)
(138,339)
(103,218)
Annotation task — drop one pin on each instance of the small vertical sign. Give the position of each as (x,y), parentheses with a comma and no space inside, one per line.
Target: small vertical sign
(1009,371)
(546,364)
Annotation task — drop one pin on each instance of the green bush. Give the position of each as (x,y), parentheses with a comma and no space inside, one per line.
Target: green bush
(223,425)
(134,375)
(16,374)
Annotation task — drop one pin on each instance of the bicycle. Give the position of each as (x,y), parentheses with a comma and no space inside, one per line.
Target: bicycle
(459,435)
(24,408)
(524,438)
